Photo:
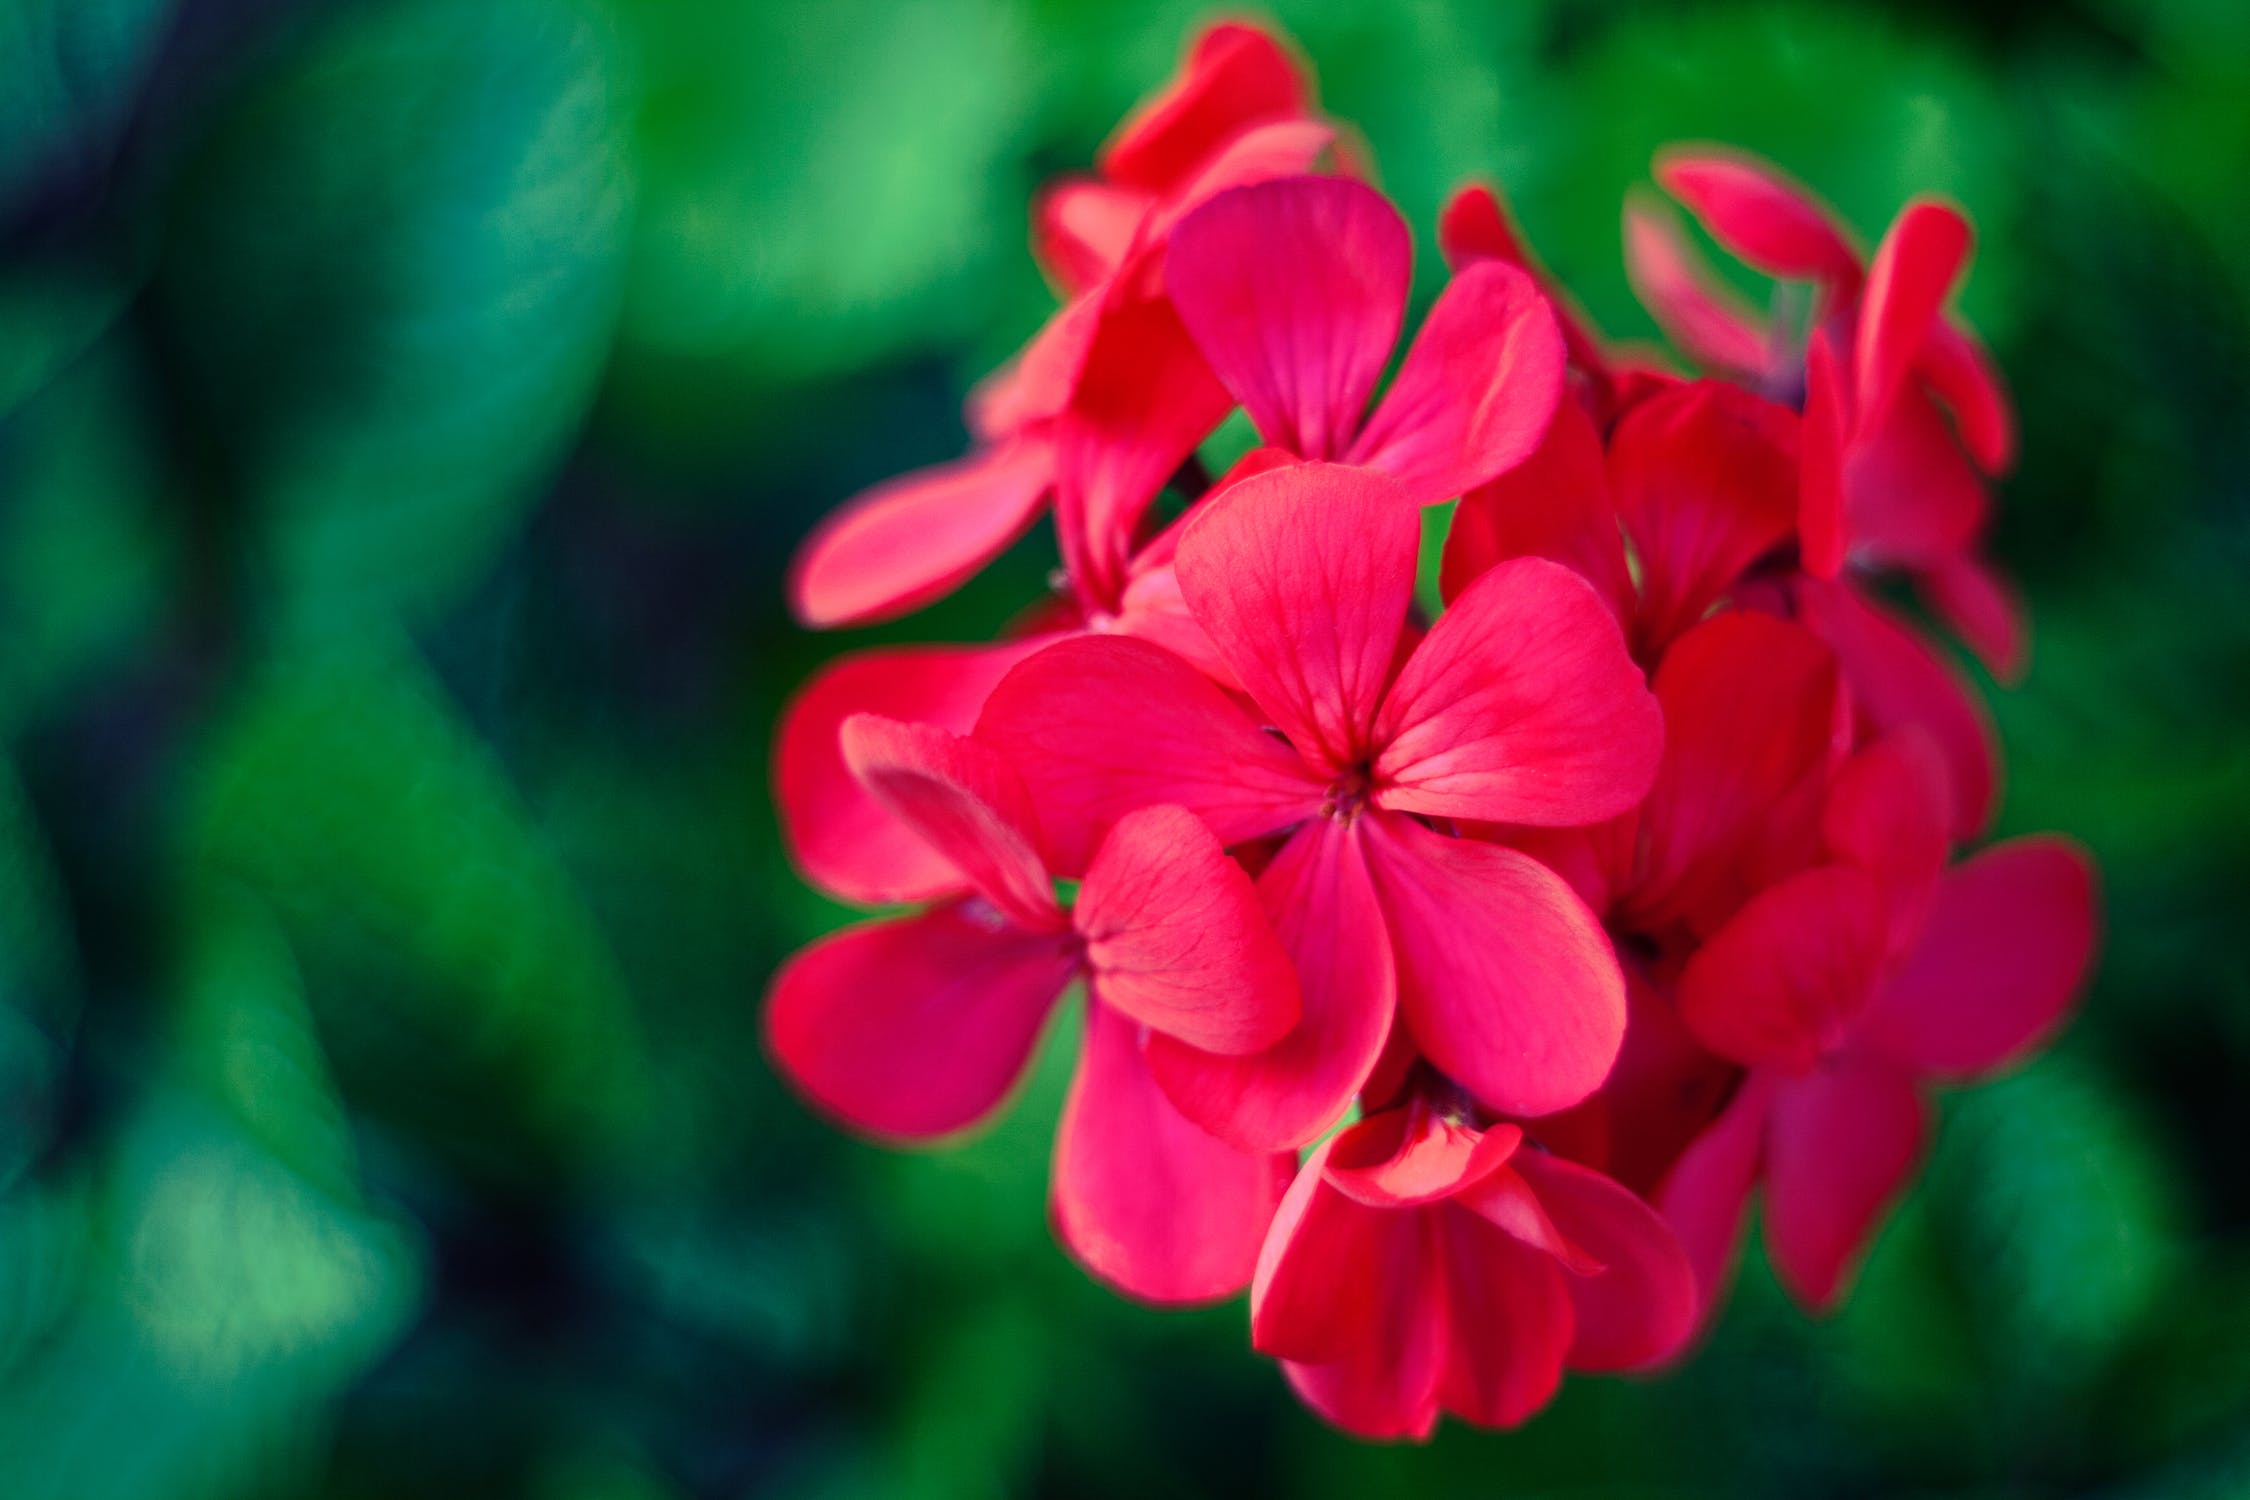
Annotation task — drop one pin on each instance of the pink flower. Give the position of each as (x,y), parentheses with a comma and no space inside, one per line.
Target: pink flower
(1420,1264)
(915,1026)
(1519,706)
(1846,986)
(1294,290)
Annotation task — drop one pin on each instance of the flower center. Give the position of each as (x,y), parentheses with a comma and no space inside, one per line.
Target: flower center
(1346,797)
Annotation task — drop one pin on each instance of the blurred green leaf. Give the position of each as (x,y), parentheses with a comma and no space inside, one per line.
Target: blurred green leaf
(68,70)
(392,271)
(48,317)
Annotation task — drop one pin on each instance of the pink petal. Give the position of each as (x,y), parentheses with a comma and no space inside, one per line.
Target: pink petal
(1840,1147)
(841,838)
(1081,229)
(966,802)
(917,538)
(1705,478)
(1036,384)
(1760,215)
(1969,594)
(2008,945)
(1335,1274)
(1235,75)
(1921,257)
(1103,725)
(1898,682)
(1476,392)
(1961,374)
(1699,313)
(1144,1200)
(1554,505)
(913,1027)
(1505,978)
(1153,609)
(1143,401)
(1706,1196)
(1324,911)
(1475,226)
(1886,813)
(1521,706)
(1641,1305)
(1302,577)
(1911,496)
(1508,1321)
(1750,711)
(1175,937)
(1282,148)
(1294,290)
(1822,522)
(1783,981)
(1404,1158)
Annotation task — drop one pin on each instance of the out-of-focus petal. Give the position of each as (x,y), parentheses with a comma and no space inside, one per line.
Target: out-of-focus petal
(1475,226)
(1335,1273)
(1886,813)
(1082,228)
(2006,948)
(841,838)
(913,1027)
(1235,75)
(1102,725)
(1302,576)
(1839,1148)
(1143,1199)
(1641,1305)
(1760,215)
(1921,257)
(1175,937)
(1969,594)
(1962,375)
(1324,911)
(1520,706)
(1706,1195)
(1911,496)
(1281,148)
(1294,290)
(1697,312)
(917,538)
(1477,389)
(1036,384)
(1555,504)
(1505,978)
(1822,521)
(1781,984)
(1508,1321)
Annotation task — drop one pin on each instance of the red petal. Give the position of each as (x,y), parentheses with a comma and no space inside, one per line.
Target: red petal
(1507,1200)
(1706,1196)
(1143,401)
(1921,257)
(1294,290)
(1968,594)
(1520,706)
(1641,1305)
(1175,937)
(1840,1146)
(1760,215)
(1302,577)
(1961,374)
(2008,944)
(1821,519)
(1705,479)
(1335,1274)
(1477,389)
(1750,707)
(1403,1158)
(1505,977)
(917,538)
(1324,911)
(1475,226)
(1081,229)
(1235,75)
(1102,725)
(1153,609)
(1284,148)
(1886,813)
(966,803)
(1911,496)
(1037,383)
(1698,312)
(1783,981)
(1663,1093)
(913,1027)
(1508,1321)
(1144,1200)
(1554,505)
(1897,682)
(841,838)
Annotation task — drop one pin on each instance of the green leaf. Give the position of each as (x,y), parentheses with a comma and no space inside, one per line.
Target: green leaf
(68,72)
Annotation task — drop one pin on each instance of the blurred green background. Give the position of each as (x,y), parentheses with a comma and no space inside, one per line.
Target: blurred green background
(406,410)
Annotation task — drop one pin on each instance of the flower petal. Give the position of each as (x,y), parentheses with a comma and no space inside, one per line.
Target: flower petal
(1335,1272)
(1235,75)
(1036,384)
(913,1027)
(1143,1199)
(1082,228)
(1403,1158)
(1762,217)
(1782,982)
(1508,1321)
(1961,374)
(1302,577)
(1911,496)
(1505,978)
(1641,1305)
(1705,479)
(1294,290)
(2008,943)
(841,838)
(1476,392)
(1175,937)
(1475,226)
(1969,594)
(1706,1195)
(1101,725)
(1520,706)
(1822,541)
(1921,257)
(1555,504)
(1697,311)
(1323,908)
(917,538)
(1886,813)
(1839,1149)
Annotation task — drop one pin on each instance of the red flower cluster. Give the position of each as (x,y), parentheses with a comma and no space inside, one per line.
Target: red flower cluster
(1624,888)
